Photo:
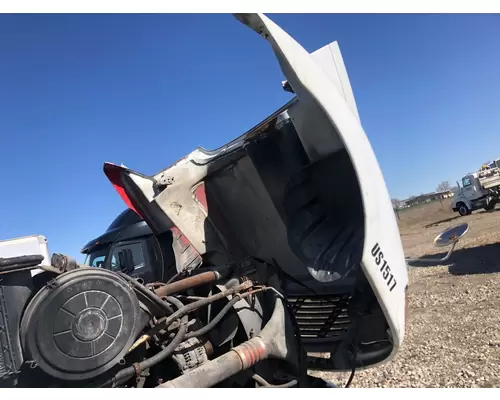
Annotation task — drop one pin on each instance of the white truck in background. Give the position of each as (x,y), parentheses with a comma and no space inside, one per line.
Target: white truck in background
(479,189)
(31,246)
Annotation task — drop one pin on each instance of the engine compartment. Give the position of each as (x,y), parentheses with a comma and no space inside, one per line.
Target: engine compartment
(88,327)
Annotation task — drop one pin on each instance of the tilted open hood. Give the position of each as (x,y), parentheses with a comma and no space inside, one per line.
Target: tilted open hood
(302,190)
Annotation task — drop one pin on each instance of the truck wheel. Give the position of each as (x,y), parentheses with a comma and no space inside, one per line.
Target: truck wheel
(463,210)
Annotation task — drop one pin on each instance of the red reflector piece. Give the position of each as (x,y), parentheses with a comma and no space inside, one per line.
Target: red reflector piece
(114,173)
(201,196)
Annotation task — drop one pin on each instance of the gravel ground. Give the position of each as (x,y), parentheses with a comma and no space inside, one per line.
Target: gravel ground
(453,327)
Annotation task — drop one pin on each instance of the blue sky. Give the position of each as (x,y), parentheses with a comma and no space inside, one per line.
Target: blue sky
(79,90)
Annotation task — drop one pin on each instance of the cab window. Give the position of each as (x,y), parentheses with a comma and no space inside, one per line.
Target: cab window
(97,258)
(466,182)
(137,256)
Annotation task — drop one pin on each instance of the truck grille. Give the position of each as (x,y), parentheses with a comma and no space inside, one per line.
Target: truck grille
(321,317)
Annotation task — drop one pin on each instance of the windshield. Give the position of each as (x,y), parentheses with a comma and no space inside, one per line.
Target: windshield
(97,258)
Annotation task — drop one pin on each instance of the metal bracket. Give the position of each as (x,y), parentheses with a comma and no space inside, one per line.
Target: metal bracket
(410,261)
(450,236)
(165,180)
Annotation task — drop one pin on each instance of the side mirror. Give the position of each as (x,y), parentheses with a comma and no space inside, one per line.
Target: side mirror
(126,260)
(449,237)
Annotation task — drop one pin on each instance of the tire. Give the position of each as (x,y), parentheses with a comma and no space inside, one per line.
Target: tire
(463,210)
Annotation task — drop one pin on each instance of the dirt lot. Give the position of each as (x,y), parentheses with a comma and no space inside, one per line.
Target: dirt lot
(453,328)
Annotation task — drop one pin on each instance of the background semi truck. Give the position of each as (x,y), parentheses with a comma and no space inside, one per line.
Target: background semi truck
(152,257)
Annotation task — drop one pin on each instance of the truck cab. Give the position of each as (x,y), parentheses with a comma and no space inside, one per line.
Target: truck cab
(129,246)
(478,190)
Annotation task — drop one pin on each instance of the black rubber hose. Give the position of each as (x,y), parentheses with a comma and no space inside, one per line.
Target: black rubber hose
(205,301)
(148,293)
(351,377)
(269,343)
(176,341)
(127,373)
(214,321)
